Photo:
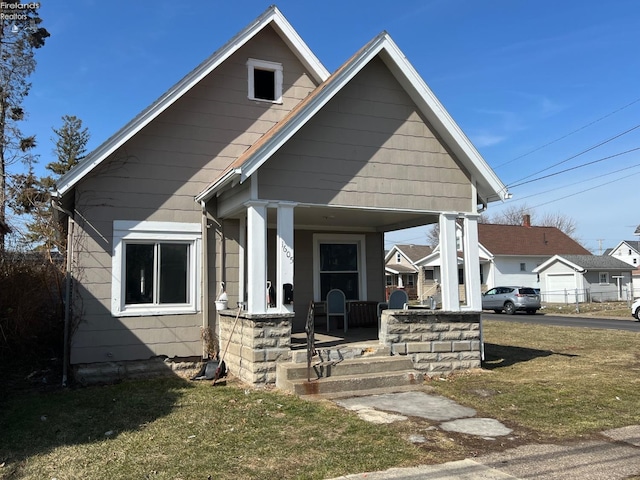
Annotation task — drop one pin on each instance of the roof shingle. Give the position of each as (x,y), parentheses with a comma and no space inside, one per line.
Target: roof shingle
(521,240)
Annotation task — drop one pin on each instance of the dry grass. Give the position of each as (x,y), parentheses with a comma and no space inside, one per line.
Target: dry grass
(173,429)
(547,383)
(559,382)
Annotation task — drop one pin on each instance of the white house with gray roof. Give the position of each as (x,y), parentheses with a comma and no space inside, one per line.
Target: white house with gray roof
(583,278)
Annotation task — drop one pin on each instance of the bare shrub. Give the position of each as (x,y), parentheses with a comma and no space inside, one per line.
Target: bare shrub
(31,306)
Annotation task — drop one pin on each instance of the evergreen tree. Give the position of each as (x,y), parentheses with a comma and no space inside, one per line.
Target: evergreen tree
(32,196)
(20,35)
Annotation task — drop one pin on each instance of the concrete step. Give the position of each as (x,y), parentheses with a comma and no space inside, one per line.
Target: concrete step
(334,386)
(356,374)
(344,352)
(333,367)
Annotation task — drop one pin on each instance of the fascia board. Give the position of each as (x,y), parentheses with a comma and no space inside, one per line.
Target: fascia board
(493,188)
(272,14)
(390,253)
(561,259)
(489,255)
(300,48)
(224,180)
(427,261)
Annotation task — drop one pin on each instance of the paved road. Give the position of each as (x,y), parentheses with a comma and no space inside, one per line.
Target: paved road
(584,322)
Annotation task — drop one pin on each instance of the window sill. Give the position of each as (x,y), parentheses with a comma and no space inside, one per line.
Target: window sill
(264,100)
(156,311)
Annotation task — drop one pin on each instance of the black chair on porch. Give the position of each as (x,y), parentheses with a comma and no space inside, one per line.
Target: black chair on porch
(336,306)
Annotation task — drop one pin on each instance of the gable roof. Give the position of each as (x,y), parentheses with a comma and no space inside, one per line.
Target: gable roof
(400,269)
(271,17)
(634,244)
(413,253)
(522,240)
(488,185)
(583,263)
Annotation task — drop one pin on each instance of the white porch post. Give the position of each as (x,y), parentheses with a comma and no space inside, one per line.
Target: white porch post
(284,255)
(449,260)
(472,262)
(257,257)
(242,248)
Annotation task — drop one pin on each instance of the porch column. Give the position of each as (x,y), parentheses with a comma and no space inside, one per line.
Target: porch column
(471,262)
(242,248)
(284,255)
(449,260)
(256,257)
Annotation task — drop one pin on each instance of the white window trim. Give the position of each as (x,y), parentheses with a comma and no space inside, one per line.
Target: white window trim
(274,67)
(600,278)
(124,231)
(360,240)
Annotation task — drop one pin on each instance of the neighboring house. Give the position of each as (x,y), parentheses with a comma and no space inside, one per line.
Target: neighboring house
(516,250)
(401,269)
(508,254)
(584,278)
(628,251)
(260,166)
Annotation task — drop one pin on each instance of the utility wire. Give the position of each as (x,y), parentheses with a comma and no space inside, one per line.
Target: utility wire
(584,191)
(568,134)
(573,168)
(593,147)
(572,184)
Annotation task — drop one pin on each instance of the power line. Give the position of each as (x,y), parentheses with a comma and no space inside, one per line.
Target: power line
(572,184)
(568,134)
(593,147)
(584,191)
(575,168)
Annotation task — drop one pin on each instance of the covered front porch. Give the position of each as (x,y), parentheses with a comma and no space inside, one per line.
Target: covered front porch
(280,258)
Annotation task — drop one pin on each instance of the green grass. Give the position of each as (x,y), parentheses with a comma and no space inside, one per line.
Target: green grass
(547,383)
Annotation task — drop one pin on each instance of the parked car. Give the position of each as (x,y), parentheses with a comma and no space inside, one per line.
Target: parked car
(511,299)
(635,309)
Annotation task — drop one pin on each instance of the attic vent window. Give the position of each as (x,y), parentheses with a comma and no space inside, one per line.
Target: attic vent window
(265,81)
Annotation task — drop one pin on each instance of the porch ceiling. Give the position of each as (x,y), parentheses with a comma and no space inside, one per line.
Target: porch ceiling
(354,219)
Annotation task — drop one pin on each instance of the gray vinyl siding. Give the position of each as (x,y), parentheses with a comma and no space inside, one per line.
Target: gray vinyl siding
(155,177)
(369,147)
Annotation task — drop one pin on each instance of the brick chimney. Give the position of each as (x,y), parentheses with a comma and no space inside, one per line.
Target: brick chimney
(526,220)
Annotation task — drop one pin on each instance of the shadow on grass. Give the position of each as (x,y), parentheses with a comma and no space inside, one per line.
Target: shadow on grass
(499,356)
(37,422)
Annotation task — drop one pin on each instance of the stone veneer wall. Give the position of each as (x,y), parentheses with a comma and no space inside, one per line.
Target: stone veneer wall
(438,342)
(258,341)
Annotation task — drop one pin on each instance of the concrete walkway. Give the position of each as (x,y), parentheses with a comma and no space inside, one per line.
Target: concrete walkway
(616,455)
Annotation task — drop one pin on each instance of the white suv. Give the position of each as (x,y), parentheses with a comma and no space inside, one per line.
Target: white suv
(635,309)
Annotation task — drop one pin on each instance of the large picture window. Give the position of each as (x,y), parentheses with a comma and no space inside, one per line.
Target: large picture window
(339,263)
(155,268)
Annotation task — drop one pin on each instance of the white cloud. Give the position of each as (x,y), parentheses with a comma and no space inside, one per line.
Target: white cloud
(487,139)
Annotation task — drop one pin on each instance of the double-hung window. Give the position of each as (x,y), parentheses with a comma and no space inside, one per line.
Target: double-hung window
(155,268)
(339,262)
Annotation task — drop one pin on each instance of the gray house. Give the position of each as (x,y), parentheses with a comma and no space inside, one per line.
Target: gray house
(260,169)
(571,278)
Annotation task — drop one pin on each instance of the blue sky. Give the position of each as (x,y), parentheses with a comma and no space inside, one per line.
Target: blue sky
(516,76)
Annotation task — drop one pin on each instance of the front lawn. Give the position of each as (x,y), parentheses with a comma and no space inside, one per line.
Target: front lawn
(547,383)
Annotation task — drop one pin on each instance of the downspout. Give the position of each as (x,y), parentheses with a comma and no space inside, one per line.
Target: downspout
(67,294)
(205,274)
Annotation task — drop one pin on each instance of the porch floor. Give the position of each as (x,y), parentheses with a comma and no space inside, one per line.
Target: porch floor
(355,337)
